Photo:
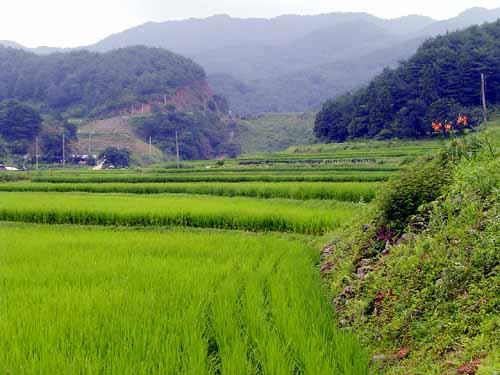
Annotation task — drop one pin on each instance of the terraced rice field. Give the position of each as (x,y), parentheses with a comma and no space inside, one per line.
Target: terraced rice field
(192,271)
(344,191)
(308,217)
(219,177)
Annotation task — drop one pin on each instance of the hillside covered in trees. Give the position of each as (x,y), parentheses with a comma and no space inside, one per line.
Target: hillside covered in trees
(438,84)
(42,97)
(83,83)
(200,135)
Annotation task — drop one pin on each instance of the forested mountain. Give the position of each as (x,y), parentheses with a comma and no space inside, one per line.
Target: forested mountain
(439,84)
(83,83)
(168,91)
(290,63)
(271,59)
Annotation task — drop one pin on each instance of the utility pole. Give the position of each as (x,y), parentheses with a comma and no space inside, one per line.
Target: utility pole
(165,100)
(63,149)
(483,99)
(36,153)
(177,147)
(150,146)
(90,143)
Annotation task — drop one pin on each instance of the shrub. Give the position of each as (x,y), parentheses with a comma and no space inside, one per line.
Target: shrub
(421,183)
(113,156)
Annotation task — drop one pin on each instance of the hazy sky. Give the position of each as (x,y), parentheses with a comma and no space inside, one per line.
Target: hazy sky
(70,23)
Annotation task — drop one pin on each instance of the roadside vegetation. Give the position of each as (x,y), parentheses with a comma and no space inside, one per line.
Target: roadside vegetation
(418,280)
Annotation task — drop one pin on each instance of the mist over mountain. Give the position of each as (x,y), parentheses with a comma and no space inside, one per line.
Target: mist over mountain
(473,16)
(290,63)
(196,36)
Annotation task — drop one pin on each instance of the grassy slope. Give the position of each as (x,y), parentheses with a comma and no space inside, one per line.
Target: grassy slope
(429,302)
(112,132)
(276,132)
(364,145)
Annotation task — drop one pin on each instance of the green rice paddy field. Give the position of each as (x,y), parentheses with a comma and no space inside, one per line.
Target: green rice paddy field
(344,191)
(191,271)
(96,301)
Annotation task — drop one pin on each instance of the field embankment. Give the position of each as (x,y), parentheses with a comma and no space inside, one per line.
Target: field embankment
(419,278)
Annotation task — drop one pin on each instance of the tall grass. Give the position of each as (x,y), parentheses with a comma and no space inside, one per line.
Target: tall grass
(13,176)
(309,217)
(94,301)
(344,191)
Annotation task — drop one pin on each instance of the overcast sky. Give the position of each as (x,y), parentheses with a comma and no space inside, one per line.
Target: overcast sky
(71,23)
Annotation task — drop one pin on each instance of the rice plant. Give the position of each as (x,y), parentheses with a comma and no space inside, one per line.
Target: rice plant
(344,191)
(97,301)
(220,177)
(249,214)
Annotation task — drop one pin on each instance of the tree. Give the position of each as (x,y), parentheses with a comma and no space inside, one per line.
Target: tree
(410,120)
(201,135)
(113,156)
(52,140)
(331,122)
(19,125)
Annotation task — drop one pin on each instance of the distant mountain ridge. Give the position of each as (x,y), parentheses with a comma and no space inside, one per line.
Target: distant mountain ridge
(473,16)
(291,63)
